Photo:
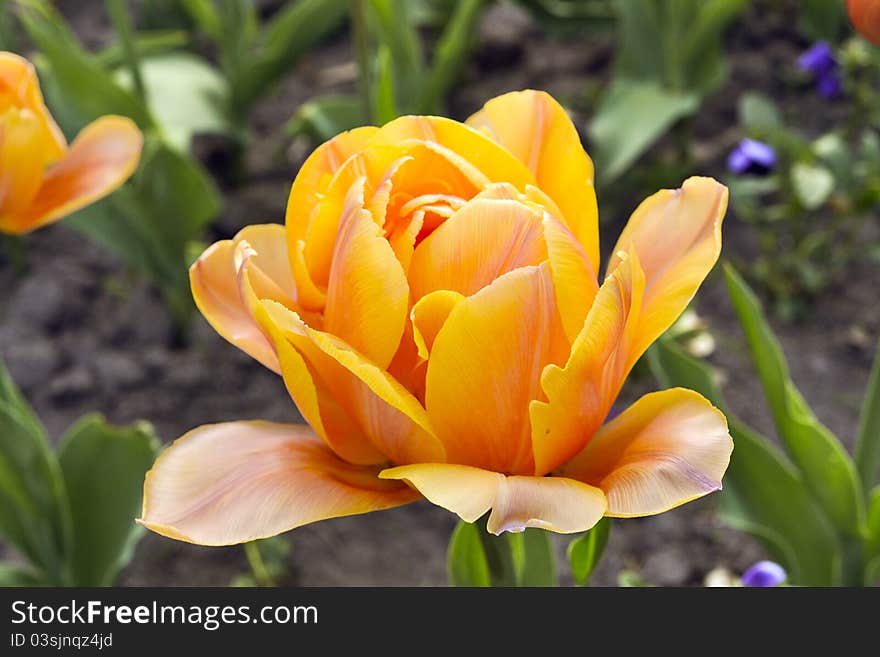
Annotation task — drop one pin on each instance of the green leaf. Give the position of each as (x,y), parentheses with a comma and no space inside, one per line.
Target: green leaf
(872,545)
(146,44)
(323,118)
(867,455)
(18,576)
(466,560)
(87,89)
(450,54)
(536,562)
(34,514)
(827,469)
(395,28)
(185,95)
(104,468)
(385,103)
(630,118)
(291,33)
(585,552)
(763,494)
(812,184)
(823,20)
(758,112)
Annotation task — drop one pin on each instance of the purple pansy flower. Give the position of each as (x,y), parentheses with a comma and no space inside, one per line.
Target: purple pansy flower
(763,574)
(820,61)
(751,156)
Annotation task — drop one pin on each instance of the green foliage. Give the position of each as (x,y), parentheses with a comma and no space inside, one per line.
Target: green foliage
(396,77)
(585,552)
(150,222)
(103,468)
(254,57)
(70,514)
(466,560)
(571,16)
(812,210)
(478,558)
(669,57)
(806,506)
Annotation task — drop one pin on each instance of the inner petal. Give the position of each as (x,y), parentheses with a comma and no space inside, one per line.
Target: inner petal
(483,240)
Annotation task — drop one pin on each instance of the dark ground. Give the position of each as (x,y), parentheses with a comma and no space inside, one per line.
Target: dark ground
(79,336)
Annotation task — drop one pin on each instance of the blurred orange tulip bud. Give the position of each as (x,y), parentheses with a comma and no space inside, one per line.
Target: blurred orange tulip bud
(865,17)
(42,179)
(434,310)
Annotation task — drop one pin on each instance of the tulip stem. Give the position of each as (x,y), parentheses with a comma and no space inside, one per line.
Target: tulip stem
(122,25)
(258,566)
(499,556)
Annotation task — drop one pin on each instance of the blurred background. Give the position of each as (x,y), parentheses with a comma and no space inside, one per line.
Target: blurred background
(775,98)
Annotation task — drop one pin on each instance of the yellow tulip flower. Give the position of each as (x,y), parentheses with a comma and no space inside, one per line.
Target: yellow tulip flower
(434,310)
(41,178)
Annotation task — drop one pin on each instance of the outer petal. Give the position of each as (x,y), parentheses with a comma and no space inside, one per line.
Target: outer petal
(483,240)
(229,483)
(537,130)
(554,503)
(485,367)
(23,159)
(215,287)
(315,175)
(483,153)
(19,87)
(679,233)
(368,296)
(377,405)
(101,158)
(668,448)
(676,234)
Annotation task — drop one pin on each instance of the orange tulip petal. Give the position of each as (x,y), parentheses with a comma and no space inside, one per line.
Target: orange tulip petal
(483,240)
(22,162)
(102,157)
(580,394)
(217,293)
(492,160)
(557,504)
(315,399)
(677,236)
(368,295)
(553,503)
(668,448)
(381,407)
(485,367)
(573,277)
(229,483)
(20,87)
(315,175)
(536,129)
(428,316)
(669,246)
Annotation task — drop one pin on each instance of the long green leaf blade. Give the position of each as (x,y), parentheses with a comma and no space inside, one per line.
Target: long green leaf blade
(827,469)
(104,468)
(585,552)
(868,441)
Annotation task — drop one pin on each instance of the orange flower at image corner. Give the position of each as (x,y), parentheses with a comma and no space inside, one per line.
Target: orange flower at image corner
(433,308)
(865,18)
(42,179)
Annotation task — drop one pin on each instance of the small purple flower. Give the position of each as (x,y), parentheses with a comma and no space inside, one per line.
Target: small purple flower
(821,63)
(751,156)
(818,60)
(829,85)
(763,574)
